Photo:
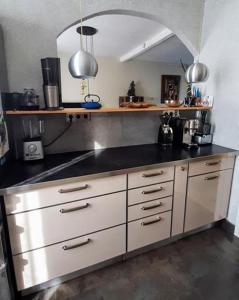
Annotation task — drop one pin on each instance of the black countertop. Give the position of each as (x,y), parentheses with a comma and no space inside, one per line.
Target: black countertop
(100,161)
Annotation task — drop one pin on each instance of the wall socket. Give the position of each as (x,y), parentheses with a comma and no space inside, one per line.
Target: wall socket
(76,117)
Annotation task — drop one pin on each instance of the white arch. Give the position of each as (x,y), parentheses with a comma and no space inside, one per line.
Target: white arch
(156,18)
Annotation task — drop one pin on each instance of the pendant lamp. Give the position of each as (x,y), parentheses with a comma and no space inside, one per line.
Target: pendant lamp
(82,64)
(197,72)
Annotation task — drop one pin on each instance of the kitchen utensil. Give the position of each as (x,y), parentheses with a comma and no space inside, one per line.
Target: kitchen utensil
(173,103)
(29,100)
(51,95)
(203,139)
(90,103)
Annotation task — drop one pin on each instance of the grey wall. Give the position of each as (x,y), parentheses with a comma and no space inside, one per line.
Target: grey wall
(101,131)
(31,28)
(219,52)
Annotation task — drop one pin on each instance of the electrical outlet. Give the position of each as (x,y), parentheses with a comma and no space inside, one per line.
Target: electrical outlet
(76,117)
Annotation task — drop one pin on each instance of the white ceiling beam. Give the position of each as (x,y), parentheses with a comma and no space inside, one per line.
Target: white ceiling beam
(148,44)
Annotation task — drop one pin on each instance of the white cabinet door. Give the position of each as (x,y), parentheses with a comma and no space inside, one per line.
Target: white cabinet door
(207,198)
(180,189)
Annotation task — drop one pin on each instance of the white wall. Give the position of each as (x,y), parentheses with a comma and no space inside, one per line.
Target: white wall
(114,77)
(220,52)
(31,28)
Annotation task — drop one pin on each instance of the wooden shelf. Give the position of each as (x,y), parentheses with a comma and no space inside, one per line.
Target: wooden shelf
(102,110)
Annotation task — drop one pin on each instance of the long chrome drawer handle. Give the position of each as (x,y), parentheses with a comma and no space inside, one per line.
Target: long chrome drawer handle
(80,188)
(151,206)
(66,210)
(211,177)
(76,245)
(213,163)
(152,191)
(152,174)
(151,222)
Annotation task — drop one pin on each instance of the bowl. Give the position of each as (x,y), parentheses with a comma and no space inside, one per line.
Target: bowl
(173,103)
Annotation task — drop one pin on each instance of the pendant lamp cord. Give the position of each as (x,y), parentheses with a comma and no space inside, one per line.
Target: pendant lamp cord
(81,24)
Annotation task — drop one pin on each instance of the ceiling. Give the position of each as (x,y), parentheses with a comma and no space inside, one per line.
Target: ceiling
(119,34)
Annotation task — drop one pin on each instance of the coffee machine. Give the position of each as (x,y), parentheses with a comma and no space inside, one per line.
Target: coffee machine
(51,82)
(189,130)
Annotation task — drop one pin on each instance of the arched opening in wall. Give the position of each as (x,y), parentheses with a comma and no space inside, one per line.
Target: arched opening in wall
(128,46)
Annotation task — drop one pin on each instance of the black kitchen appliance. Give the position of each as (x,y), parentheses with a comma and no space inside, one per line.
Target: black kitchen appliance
(177,124)
(51,73)
(165,134)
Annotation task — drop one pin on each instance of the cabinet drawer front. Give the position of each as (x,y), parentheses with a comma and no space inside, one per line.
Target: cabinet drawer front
(149,208)
(207,198)
(150,192)
(44,264)
(210,165)
(150,177)
(38,228)
(63,193)
(148,230)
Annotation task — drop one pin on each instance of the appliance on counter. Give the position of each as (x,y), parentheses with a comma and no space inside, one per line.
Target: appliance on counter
(189,130)
(165,134)
(204,135)
(177,124)
(32,142)
(51,82)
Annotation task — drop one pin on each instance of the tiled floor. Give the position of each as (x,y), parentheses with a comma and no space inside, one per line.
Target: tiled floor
(204,266)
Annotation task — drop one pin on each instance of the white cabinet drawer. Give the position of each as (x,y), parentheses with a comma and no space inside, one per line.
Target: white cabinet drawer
(44,264)
(150,177)
(210,165)
(149,208)
(148,230)
(38,228)
(63,193)
(150,192)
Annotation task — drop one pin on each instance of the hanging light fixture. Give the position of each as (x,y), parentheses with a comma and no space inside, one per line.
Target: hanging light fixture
(82,64)
(197,72)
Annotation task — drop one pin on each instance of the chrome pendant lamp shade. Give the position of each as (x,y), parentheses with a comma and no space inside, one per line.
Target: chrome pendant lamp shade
(197,72)
(83,65)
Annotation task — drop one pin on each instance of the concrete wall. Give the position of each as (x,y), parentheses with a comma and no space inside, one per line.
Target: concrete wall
(219,51)
(31,28)
(114,77)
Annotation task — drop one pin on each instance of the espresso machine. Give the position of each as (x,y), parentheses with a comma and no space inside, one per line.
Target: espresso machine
(190,129)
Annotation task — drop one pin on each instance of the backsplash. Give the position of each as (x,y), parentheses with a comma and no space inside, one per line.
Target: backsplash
(101,131)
